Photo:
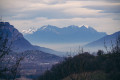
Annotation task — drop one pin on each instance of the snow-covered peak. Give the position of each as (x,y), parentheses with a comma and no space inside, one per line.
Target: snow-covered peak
(29,31)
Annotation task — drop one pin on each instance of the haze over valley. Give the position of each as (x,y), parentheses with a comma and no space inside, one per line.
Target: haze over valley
(59,39)
(63,39)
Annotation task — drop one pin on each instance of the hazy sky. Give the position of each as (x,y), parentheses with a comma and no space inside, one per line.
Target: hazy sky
(103,15)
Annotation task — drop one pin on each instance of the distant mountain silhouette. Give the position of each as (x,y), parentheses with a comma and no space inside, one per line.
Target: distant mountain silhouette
(74,34)
(108,40)
(19,43)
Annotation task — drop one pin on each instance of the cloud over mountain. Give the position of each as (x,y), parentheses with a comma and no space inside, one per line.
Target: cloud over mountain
(99,13)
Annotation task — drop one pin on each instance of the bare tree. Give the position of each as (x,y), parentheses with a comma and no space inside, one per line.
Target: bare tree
(9,61)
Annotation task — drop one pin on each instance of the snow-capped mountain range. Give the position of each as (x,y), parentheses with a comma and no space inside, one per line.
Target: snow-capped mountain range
(74,34)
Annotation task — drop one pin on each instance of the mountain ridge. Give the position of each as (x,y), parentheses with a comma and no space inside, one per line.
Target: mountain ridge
(53,34)
(107,40)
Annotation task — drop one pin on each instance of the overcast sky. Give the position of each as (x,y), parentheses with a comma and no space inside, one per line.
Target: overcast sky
(103,15)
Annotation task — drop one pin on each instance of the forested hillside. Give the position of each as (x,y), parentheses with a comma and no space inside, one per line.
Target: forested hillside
(85,66)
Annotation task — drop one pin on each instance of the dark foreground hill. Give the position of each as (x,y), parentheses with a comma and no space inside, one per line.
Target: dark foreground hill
(85,66)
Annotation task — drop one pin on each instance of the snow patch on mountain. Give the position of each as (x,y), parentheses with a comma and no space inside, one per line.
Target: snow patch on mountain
(29,31)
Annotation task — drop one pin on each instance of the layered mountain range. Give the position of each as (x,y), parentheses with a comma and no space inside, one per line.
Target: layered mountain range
(53,34)
(70,34)
(41,58)
(19,43)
